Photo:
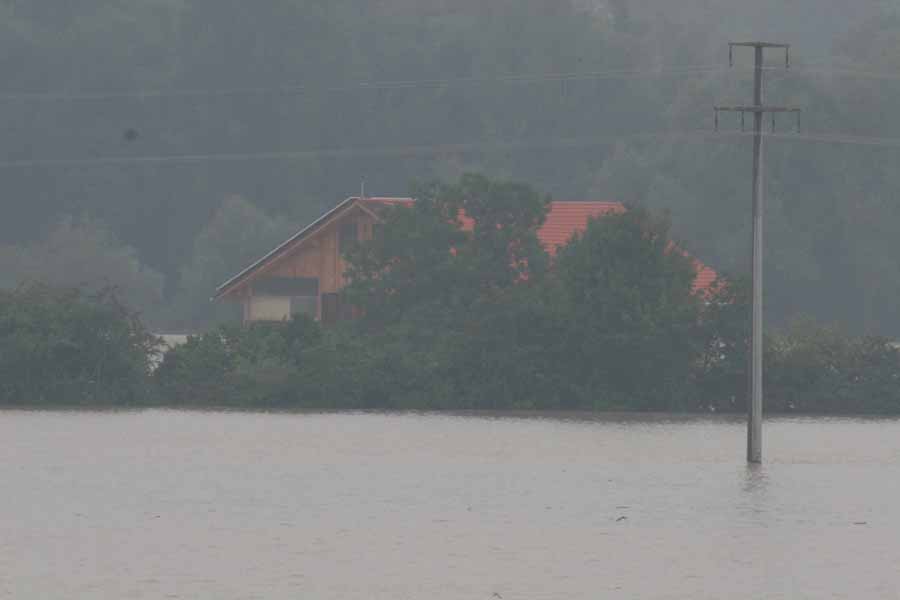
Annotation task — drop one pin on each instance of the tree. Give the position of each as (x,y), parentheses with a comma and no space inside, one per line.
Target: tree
(237,234)
(83,253)
(432,282)
(504,247)
(262,364)
(458,243)
(626,296)
(578,98)
(65,345)
(724,333)
(819,369)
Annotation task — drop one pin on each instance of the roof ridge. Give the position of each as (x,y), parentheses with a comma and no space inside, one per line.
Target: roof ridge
(408,199)
(224,288)
(587,202)
(566,218)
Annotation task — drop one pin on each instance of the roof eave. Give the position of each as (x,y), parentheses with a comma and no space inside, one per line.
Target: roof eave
(235,282)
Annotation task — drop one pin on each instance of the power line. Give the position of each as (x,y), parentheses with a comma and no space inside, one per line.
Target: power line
(837,138)
(437,149)
(359,86)
(841,71)
(58,96)
(325,153)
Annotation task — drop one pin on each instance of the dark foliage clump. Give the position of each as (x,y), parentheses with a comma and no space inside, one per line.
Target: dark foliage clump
(485,319)
(67,346)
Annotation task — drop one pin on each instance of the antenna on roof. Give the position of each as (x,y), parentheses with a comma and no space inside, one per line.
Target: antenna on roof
(362,189)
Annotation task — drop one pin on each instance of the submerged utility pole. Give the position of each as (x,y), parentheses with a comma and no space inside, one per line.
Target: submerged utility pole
(754,421)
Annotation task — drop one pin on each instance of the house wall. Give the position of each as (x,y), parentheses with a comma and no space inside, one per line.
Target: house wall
(317,256)
(268,308)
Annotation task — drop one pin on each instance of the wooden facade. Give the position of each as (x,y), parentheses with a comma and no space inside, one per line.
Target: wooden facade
(305,274)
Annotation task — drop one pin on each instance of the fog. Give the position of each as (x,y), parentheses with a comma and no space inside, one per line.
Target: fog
(160,145)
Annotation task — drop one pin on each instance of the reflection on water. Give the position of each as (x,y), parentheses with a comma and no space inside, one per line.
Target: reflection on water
(755,480)
(166,504)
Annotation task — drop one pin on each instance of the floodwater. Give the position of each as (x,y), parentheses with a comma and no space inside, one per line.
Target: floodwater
(168,504)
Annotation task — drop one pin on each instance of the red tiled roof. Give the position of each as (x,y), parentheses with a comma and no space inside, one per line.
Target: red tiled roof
(705,277)
(564,220)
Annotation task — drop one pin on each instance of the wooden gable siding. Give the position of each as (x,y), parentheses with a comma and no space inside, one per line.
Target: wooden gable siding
(315,253)
(318,256)
(321,256)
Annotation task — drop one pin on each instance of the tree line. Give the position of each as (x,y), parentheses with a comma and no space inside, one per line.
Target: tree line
(454,319)
(185,78)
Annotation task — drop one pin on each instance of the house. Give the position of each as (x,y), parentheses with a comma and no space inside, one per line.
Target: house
(305,273)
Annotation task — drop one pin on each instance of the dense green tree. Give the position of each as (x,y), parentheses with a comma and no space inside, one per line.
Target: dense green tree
(814,368)
(60,346)
(243,366)
(631,313)
(443,281)
(409,262)
(425,255)
(453,317)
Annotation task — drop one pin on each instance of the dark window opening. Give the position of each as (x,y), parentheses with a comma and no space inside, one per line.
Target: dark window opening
(305,305)
(335,308)
(348,236)
(330,306)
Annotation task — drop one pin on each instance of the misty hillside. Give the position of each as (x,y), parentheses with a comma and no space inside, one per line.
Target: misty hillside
(162,144)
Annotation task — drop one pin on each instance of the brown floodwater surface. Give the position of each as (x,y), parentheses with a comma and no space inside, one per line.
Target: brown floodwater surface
(218,505)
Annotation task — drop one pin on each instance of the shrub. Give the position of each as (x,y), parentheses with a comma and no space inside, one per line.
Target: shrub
(63,346)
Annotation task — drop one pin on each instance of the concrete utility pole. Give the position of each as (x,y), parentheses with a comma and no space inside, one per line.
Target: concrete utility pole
(754,421)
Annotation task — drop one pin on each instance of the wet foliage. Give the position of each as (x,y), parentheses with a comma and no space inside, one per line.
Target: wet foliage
(449,321)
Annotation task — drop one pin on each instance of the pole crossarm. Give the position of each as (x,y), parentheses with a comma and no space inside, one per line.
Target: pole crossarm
(758,109)
(759,46)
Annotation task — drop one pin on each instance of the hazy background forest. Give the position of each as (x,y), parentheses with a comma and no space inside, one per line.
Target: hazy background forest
(159,145)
